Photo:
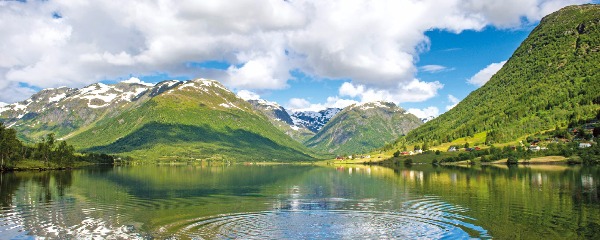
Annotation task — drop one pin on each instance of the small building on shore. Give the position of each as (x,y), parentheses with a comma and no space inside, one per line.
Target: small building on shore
(585,145)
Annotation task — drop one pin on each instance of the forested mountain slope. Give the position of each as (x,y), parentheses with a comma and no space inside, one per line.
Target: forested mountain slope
(552,80)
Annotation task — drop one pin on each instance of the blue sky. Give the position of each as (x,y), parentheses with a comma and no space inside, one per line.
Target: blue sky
(303,54)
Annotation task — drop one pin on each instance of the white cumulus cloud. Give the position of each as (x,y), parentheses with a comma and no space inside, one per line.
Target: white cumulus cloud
(453,102)
(375,44)
(413,91)
(301,104)
(484,75)
(248,95)
(425,113)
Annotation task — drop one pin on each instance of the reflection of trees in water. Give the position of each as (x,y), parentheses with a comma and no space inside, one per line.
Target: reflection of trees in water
(52,184)
(9,183)
(35,195)
(547,196)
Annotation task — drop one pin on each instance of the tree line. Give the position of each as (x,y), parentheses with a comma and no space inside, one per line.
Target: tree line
(586,156)
(49,150)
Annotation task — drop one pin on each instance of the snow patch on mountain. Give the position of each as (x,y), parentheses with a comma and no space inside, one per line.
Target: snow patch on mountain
(225,105)
(129,96)
(21,107)
(171,83)
(202,84)
(269,105)
(57,98)
(370,105)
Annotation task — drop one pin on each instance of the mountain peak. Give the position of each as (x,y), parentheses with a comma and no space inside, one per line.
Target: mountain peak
(202,84)
(361,127)
(374,104)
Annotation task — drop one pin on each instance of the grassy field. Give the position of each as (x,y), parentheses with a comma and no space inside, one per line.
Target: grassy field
(38,165)
(538,160)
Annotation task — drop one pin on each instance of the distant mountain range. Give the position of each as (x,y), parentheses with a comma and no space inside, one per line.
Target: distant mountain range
(281,119)
(188,120)
(194,119)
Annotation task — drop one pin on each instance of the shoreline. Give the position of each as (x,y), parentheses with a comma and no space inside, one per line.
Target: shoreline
(50,168)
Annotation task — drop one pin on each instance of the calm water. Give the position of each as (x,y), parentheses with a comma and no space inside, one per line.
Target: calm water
(551,202)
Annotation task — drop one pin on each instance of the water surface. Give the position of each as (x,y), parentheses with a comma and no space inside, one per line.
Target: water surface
(220,201)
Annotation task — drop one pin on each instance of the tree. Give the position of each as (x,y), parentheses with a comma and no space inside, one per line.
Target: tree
(417,147)
(9,146)
(425,146)
(64,154)
(512,159)
(397,153)
(45,147)
(596,132)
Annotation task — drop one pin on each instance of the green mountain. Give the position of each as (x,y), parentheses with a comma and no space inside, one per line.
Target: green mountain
(363,127)
(197,119)
(552,80)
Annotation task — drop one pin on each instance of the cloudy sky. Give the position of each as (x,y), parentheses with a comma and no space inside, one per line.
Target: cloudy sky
(425,55)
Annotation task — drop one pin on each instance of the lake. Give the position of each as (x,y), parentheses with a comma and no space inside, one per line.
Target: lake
(306,202)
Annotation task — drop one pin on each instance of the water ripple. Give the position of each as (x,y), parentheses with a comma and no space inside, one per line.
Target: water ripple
(425,219)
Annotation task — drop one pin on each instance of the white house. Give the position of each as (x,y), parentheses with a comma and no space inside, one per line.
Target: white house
(534,148)
(585,145)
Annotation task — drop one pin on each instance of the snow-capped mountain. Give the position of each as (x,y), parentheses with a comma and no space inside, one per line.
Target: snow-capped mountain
(272,110)
(312,120)
(64,110)
(280,117)
(195,119)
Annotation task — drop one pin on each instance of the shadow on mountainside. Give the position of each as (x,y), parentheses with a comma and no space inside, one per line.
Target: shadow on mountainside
(237,142)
